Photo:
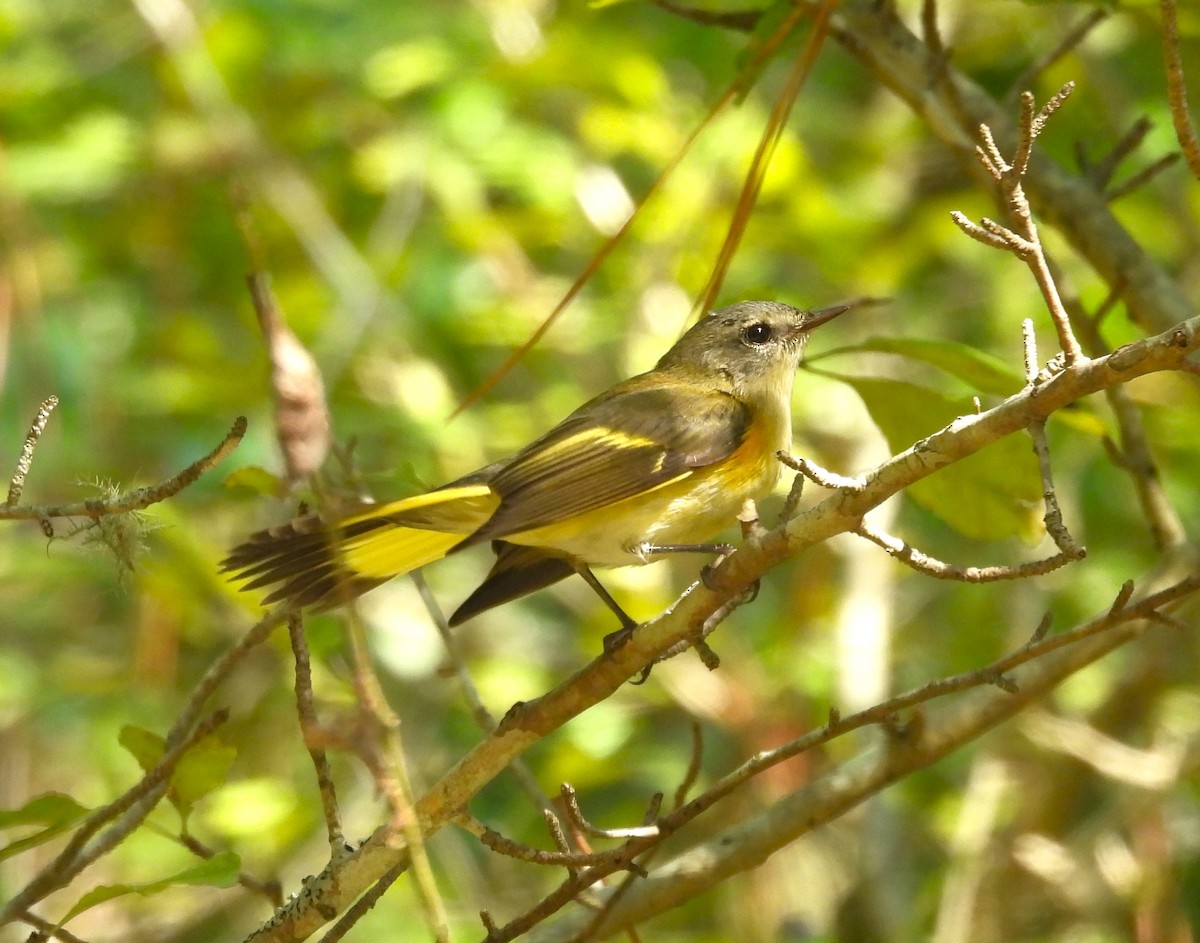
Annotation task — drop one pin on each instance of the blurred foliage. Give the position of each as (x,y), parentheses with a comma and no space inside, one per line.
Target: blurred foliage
(424,180)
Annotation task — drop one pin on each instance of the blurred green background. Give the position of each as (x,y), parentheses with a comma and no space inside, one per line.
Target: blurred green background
(425,180)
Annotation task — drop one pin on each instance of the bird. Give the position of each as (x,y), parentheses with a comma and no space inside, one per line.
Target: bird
(657,464)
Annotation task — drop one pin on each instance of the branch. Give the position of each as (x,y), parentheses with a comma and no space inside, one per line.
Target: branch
(953,110)
(17,484)
(134,500)
(1177,89)
(935,733)
(127,812)
(923,563)
(309,727)
(1024,242)
(528,722)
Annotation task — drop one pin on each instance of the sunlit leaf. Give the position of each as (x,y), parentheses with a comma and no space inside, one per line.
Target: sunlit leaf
(218,871)
(974,367)
(146,747)
(54,810)
(202,769)
(990,495)
(256,479)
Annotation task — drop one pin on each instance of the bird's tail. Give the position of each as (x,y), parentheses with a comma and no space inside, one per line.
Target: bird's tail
(312,562)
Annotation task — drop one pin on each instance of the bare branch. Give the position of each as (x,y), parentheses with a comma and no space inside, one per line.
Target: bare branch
(821,476)
(979,233)
(134,500)
(1053,516)
(577,818)
(1023,240)
(309,728)
(700,605)
(1134,453)
(1070,39)
(1142,177)
(17,483)
(1177,88)
(1102,171)
(1022,676)
(930,566)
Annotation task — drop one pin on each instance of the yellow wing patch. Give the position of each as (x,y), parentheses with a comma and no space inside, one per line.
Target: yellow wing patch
(393,551)
(405,535)
(460,510)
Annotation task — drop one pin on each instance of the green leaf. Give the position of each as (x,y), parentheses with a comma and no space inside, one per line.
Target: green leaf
(47,809)
(146,747)
(54,810)
(977,369)
(991,495)
(218,871)
(201,770)
(256,479)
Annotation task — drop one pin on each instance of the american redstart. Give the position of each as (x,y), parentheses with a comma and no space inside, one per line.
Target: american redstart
(658,464)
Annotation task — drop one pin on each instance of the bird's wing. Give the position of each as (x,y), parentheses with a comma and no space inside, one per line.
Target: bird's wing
(627,442)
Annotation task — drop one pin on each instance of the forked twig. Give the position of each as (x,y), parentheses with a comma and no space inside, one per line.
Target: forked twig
(1023,240)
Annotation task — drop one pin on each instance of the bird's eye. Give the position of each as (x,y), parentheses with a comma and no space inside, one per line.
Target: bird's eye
(757,334)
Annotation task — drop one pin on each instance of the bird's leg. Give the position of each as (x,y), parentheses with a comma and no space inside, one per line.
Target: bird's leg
(706,571)
(613,640)
(720,550)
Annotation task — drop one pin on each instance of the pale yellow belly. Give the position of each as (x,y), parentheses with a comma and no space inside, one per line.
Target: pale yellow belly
(690,509)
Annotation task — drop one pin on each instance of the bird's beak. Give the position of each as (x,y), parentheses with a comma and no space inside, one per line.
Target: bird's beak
(824,315)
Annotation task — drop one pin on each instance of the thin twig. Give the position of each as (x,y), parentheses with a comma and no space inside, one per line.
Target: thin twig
(1101,172)
(693,770)
(390,773)
(923,563)
(1142,177)
(1052,518)
(1177,89)
(137,499)
(484,719)
(356,911)
(17,483)
(1134,454)
(743,21)
(46,929)
(821,476)
(308,729)
(271,889)
(1023,241)
(1070,39)
(577,818)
